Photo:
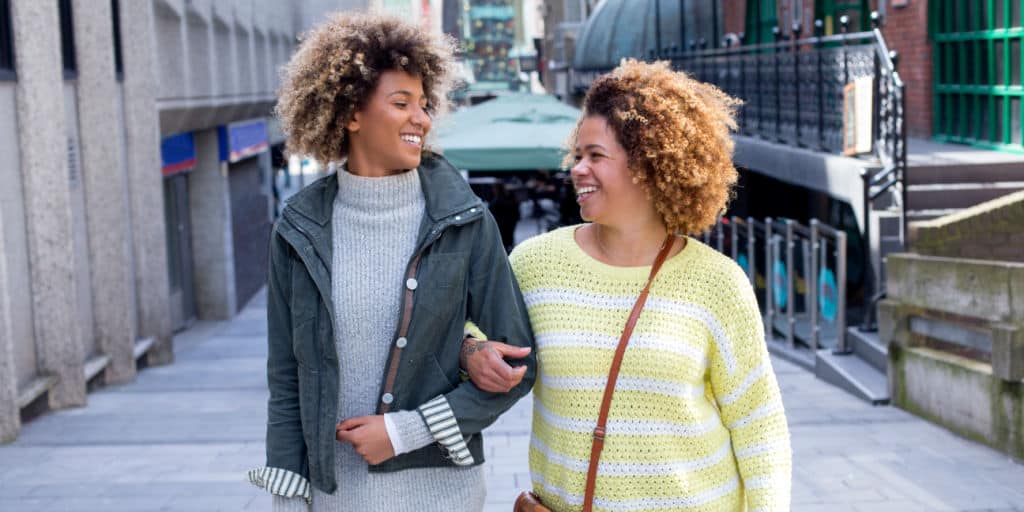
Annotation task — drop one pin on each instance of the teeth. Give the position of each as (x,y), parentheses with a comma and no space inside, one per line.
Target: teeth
(585,190)
(413,139)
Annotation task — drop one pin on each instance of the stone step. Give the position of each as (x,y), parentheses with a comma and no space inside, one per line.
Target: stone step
(939,197)
(798,355)
(965,173)
(852,374)
(868,347)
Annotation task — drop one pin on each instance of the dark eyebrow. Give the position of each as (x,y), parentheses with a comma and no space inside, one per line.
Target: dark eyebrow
(402,92)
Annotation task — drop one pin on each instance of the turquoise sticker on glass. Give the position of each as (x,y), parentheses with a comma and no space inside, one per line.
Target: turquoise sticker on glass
(828,294)
(779,284)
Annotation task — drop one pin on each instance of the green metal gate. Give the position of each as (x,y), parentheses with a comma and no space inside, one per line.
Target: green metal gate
(977,75)
(761,18)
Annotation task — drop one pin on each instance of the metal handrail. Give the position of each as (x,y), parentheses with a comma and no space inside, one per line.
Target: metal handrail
(819,243)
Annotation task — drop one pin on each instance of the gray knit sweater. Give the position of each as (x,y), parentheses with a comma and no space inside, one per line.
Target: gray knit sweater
(375,223)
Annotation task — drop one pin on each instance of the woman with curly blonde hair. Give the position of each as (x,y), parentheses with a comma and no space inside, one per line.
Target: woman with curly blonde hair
(695,420)
(373,270)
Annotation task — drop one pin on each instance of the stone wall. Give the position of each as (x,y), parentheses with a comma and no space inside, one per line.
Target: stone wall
(955,330)
(993,230)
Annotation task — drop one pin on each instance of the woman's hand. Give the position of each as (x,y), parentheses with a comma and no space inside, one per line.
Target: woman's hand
(368,436)
(484,361)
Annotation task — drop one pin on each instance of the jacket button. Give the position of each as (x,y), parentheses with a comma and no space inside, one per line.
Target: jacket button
(387,398)
(411,284)
(401,342)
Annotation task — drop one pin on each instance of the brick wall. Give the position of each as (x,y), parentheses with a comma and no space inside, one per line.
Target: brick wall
(734,16)
(988,231)
(906,31)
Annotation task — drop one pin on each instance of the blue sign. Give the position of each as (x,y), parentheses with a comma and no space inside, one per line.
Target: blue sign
(242,139)
(779,284)
(741,260)
(828,295)
(177,153)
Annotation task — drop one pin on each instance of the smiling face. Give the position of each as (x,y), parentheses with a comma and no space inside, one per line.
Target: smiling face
(604,185)
(387,134)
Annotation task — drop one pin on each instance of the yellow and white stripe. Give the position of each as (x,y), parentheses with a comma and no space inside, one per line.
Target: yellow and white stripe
(696,422)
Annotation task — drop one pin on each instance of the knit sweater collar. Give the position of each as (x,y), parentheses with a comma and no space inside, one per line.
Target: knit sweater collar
(378,194)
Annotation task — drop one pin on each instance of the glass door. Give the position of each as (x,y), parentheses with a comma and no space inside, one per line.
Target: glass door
(179,250)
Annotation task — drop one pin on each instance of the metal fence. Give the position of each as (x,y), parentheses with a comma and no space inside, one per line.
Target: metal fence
(798,273)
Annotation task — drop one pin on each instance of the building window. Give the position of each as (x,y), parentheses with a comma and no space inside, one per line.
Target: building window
(6,42)
(488,30)
(115,11)
(979,98)
(67,40)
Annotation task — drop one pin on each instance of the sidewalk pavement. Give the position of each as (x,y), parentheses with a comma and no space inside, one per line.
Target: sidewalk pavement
(181,437)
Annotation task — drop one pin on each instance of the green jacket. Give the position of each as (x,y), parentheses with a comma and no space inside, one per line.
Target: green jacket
(458,270)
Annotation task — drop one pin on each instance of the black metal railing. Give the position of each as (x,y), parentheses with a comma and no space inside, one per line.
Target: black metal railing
(793,89)
(798,273)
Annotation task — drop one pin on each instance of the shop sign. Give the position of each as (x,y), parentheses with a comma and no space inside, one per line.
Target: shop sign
(177,153)
(243,139)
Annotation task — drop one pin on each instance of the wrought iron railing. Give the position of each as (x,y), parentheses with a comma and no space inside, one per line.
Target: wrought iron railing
(793,89)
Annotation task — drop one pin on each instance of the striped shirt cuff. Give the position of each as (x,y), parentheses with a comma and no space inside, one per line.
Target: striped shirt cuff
(444,428)
(281,482)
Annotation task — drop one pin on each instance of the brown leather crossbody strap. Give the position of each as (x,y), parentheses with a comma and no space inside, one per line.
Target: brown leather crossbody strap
(613,374)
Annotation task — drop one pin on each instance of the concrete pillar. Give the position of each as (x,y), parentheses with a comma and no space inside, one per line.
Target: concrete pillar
(149,238)
(10,417)
(106,192)
(42,137)
(213,252)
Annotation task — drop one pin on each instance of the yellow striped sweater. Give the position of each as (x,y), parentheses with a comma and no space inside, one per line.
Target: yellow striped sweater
(696,421)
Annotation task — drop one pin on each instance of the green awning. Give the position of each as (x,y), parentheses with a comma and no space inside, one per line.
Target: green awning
(513,132)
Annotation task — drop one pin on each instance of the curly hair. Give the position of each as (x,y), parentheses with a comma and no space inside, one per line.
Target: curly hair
(335,70)
(675,131)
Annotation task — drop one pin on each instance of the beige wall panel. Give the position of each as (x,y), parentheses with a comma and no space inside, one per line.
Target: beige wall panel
(48,198)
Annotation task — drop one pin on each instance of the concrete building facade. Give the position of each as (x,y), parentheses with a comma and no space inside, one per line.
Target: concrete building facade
(137,186)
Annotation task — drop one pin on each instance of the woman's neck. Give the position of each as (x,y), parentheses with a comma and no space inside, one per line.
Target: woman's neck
(359,165)
(631,246)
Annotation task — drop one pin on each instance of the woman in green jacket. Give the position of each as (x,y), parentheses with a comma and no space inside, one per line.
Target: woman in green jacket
(373,271)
